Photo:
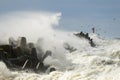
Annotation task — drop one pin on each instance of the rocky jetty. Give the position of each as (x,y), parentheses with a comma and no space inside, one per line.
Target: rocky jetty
(86,36)
(20,55)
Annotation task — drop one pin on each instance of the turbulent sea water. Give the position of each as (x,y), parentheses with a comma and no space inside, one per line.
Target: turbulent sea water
(86,63)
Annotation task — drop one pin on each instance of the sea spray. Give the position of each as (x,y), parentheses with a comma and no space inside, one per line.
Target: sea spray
(88,63)
(29,24)
(37,27)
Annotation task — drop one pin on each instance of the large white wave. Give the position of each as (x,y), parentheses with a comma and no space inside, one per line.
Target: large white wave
(39,28)
(88,63)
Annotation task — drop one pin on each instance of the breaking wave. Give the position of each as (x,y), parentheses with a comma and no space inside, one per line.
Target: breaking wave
(85,63)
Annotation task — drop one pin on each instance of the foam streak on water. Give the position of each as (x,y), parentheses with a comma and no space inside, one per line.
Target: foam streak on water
(86,63)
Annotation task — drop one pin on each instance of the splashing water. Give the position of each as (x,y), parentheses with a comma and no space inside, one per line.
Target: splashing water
(99,63)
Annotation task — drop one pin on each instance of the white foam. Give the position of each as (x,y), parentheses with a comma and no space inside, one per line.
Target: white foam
(88,63)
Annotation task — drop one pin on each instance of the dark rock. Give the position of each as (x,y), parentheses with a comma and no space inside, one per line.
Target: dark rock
(48,53)
(86,36)
(19,55)
(52,69)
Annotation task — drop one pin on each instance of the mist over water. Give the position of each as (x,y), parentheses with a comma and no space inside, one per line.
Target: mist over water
(29,24)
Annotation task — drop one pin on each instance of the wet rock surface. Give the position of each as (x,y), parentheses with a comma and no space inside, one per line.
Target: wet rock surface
(21,55)
(86,36)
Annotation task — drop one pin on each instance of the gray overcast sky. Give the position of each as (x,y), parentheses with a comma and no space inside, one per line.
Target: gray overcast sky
(77,15)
